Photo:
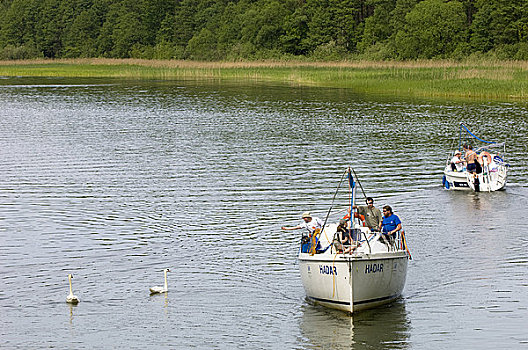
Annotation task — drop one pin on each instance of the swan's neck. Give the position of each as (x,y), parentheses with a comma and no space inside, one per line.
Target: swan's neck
(166,287)
(69,280)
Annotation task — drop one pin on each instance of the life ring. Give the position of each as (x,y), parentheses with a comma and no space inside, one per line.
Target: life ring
(487,155)
(357,216)
(361,218)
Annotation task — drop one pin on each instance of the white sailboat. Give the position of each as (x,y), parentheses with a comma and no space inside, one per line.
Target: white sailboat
(372,274)
(491,176)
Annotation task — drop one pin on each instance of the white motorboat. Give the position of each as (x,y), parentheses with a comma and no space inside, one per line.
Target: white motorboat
(372,274)
(491,171)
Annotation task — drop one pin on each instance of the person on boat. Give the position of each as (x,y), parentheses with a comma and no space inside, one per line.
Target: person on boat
(390,225)
(344,239)
(471,159)
(372,214)
(457,163)
(310,223)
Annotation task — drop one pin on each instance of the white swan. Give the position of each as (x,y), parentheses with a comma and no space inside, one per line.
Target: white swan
(72,299)
(159,289)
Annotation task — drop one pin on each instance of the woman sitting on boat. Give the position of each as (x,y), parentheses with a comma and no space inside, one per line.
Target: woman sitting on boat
(344,239)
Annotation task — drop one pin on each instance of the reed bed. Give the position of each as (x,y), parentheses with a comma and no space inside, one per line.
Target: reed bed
(495,80)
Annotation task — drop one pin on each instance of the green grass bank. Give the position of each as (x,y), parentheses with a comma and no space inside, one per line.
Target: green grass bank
(501,81)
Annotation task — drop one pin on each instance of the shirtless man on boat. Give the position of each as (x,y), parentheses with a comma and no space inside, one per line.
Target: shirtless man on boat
(471,159)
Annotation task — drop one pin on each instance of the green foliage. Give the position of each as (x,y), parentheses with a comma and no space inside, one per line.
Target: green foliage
(334,21)
(329,52)
(498,25)
(294,39)
(433,29)
(23,52)
(379,51)
(80,39)
(202,47)
(257,29)
(377,30)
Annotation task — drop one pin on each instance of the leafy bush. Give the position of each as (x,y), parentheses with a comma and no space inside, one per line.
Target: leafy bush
(329,52)
(379,52)
(22,52)
(522,52)
(202,46)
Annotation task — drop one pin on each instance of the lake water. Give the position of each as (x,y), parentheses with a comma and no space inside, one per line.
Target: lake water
(113,181)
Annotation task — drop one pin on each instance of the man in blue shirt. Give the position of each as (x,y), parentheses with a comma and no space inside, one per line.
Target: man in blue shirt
(390,224)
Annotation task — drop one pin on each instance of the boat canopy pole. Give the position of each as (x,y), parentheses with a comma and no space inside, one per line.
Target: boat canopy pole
(469,132)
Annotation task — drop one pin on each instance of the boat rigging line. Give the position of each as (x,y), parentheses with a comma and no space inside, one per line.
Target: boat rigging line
(333,200)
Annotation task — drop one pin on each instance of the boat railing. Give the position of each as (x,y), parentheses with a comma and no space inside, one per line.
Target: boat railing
(394,243)
(361,238)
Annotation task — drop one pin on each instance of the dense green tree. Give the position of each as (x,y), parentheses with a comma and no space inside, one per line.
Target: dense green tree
(81,36)
(498,23)
(184,25)
(262,27)
(378,28)
(294,40)
(234,29)
(433,29)
(19,21)
(82,23)
(333,21)
(202,46)
(229,30)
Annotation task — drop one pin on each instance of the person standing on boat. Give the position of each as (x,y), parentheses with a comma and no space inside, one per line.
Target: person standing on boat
(372,214)
(390,225)
(310,223)
(471,159)
(313,225)
(457,163)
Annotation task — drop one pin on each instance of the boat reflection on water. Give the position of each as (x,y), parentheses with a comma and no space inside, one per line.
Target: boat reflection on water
(385,327)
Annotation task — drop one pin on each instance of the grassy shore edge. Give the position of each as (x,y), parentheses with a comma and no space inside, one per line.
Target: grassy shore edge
(491,80)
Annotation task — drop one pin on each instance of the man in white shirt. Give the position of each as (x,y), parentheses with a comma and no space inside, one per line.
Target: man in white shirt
(313,225)
(457,163)
(310,223)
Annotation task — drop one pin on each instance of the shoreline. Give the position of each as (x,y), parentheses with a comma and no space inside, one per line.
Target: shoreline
(492,80)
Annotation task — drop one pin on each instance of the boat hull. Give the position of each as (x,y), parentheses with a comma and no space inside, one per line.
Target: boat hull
(457,181)
(490,180)
(370,280)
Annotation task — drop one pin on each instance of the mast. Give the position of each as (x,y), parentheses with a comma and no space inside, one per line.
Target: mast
(352,184)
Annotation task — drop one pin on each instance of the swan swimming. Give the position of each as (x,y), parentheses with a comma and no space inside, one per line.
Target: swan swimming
(158,289)
(72,299)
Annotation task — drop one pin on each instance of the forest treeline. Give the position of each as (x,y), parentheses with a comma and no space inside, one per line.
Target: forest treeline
(264,29)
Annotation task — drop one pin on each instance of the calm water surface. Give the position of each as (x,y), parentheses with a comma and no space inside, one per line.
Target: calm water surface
(114,181)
